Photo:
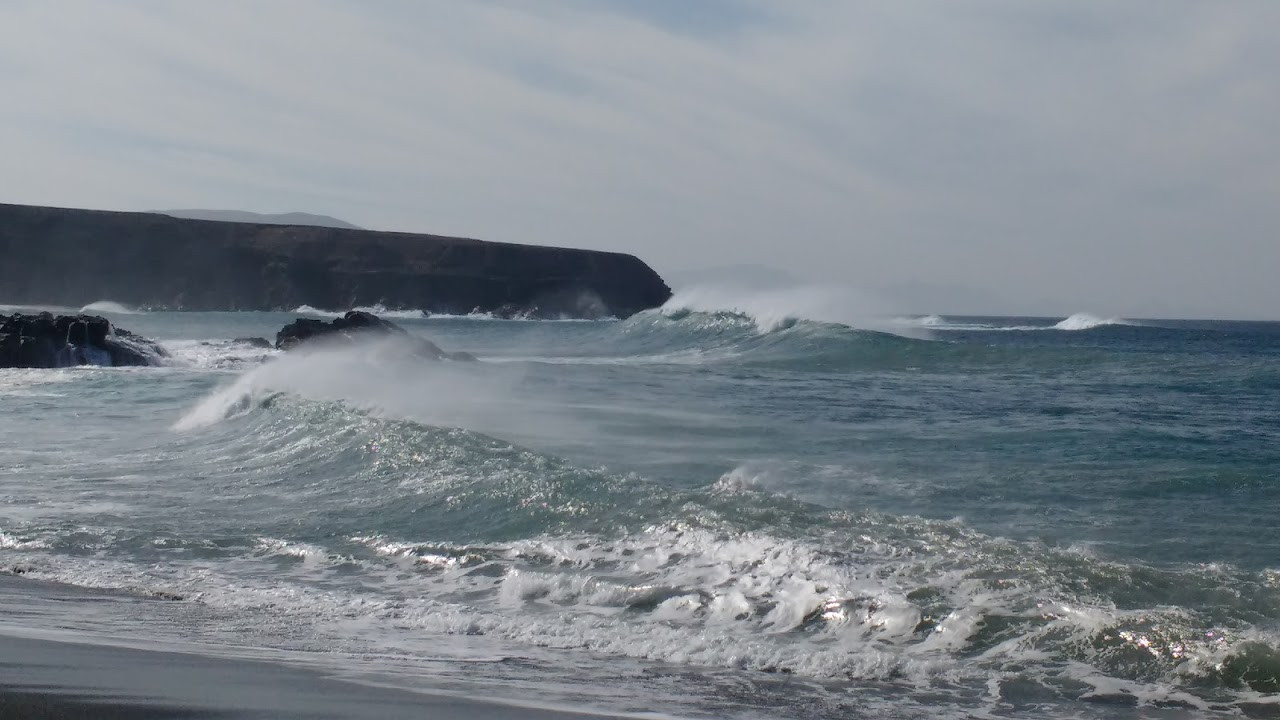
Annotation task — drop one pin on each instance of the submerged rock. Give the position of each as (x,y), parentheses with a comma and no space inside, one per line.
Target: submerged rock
(358,327)
(46,340)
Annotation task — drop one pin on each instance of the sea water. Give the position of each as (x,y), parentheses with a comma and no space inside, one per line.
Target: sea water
(697,511)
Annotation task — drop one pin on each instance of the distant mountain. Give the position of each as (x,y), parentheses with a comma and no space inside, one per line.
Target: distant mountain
(293,218)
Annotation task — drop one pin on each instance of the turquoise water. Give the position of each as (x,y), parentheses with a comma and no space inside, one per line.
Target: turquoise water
(694,513)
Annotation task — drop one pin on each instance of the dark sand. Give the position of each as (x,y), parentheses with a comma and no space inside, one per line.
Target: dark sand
(42,677)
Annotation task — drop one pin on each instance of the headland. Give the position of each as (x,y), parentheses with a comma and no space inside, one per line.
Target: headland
(73,257)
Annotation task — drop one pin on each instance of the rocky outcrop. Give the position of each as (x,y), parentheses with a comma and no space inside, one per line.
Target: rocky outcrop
(74,257)
(254,342)
(357,327)
(49,341)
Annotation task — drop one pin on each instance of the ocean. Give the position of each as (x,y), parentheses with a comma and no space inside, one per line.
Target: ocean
(694,512)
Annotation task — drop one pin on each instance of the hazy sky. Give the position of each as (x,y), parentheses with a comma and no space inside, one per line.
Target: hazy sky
(1120,158)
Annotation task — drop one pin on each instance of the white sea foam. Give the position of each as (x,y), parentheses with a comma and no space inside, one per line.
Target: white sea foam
(1085,321)
(690,356)
(308,310)
(490,317)
(14,542)
(779,309)
(312,555)
(41,382)
(939,322)
(675,594)
(378,310)
(752,477)
(217,354)
(895,600)
(401,314)
(383,311)
(1078,321)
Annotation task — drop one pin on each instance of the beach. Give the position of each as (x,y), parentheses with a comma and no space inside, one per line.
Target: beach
(59,674)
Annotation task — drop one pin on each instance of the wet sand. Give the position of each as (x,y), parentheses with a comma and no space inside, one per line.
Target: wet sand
(51,677)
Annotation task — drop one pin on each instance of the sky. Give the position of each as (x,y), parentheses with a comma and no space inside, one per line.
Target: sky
(977,156)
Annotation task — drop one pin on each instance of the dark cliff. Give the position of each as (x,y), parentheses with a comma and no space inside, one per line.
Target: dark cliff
(73,257)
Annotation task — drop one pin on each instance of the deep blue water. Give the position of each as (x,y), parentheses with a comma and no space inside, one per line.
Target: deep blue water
(689,512)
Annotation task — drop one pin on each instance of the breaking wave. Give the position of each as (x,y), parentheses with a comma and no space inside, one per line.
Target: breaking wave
(1076,322)
(675,336)
(1085,321)
(459,533)
(774,310)
(379,310)
(109,306)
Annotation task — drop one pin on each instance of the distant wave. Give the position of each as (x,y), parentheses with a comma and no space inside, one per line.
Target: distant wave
(779,309)
(940,322)
(490,317)
(1085,321)
(110,306)
(695,337)
(383,311)
(308,310)
(1076,322)
(378,310)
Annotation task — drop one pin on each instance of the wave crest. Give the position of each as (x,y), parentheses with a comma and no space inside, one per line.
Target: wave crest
(780,309)
(110,306)
(379,310)
(1085,321)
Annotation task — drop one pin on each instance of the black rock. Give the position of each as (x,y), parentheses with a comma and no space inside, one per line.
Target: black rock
(37,352)
(9,346)
(359,327)
(255,342)
(46,341)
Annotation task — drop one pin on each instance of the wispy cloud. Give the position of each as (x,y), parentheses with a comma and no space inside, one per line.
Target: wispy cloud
(1063,154)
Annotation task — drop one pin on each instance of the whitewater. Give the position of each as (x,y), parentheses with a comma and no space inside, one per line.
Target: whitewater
(732,506)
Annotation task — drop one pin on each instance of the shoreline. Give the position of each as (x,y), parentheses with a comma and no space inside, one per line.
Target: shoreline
(48,673)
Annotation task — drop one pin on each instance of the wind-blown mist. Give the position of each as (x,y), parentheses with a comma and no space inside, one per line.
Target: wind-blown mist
(782,306)
(386,379)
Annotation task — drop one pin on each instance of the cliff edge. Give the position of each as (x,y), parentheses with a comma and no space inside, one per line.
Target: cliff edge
(73,257)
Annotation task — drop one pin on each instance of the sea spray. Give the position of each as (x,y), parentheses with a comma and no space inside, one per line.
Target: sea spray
(385,378)
(778,309)
(110,307)
(1085,321)
(1076,322)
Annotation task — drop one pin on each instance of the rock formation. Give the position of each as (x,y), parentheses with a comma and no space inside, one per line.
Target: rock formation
(357,327)
(74,257)
(49,341)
